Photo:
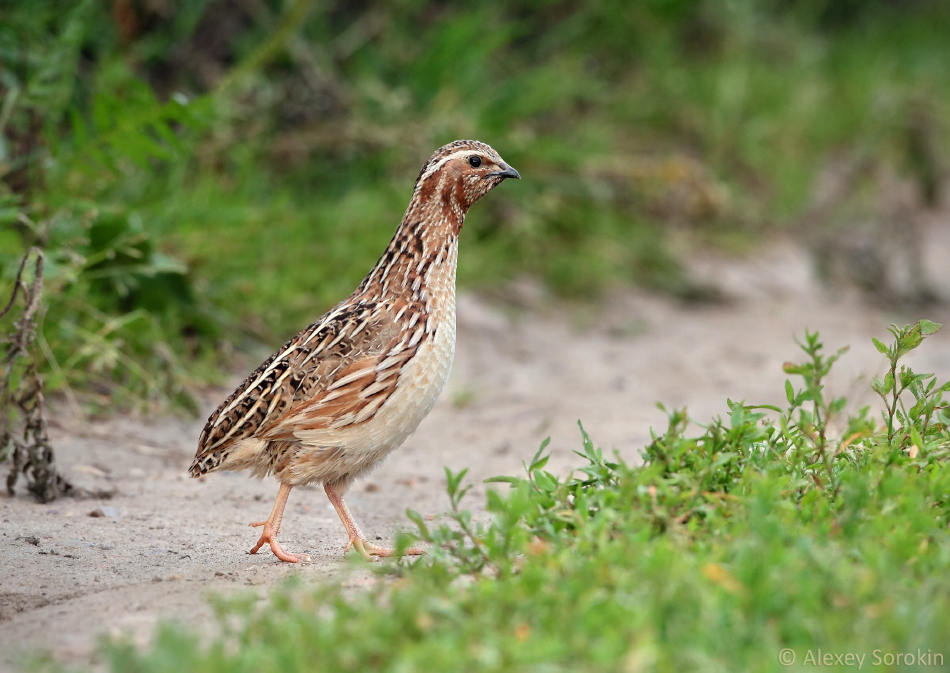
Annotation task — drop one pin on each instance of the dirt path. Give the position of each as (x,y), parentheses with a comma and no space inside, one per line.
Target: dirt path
(521,374)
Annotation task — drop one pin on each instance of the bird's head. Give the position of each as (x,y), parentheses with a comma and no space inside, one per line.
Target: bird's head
(461,173)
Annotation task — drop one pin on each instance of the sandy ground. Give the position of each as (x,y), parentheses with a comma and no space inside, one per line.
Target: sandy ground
(524,370)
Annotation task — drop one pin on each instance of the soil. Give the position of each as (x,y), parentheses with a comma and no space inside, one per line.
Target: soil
(525,369)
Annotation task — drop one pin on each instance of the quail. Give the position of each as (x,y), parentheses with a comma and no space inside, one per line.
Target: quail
(340,396)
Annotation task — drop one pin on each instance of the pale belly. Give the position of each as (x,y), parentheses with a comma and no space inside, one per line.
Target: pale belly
(347,453)
(420,385)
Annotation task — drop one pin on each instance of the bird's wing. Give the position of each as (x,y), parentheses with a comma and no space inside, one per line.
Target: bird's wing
(337,372)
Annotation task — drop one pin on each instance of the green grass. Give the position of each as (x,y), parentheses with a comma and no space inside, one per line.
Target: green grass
(761,534)
(259,198)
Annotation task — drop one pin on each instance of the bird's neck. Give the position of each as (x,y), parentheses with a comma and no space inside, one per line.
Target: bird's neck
(421,257)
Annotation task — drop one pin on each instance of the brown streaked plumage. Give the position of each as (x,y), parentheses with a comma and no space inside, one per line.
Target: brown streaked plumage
(336,399)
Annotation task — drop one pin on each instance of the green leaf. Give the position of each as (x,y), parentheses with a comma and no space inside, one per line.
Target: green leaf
(502,480)
(909,340)
(534,464)
(881,348)
(453,480)
(538,464)
(877,385)
(792,368)
(888,382)
(906,377)
(722,459)
(770,407)
(914,411)
(545,481)
(589,450)
(928,327)
(417,519)
(789,392)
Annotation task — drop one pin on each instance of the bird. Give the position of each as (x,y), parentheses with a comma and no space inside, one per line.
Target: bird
(333,402)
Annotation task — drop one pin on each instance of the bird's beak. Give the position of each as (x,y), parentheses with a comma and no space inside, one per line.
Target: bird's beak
(506,172)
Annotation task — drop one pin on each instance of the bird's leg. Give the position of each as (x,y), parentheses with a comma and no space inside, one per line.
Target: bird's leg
(272,527)
(366,548)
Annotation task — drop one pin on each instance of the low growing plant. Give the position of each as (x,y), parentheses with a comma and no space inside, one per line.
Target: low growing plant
(764,536)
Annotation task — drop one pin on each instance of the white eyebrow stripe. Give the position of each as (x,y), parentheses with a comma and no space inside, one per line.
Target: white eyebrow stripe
(441,162)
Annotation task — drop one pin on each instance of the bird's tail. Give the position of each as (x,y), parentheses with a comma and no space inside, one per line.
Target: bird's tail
(203,464)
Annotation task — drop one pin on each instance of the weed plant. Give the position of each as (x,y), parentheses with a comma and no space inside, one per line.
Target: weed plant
(764,537)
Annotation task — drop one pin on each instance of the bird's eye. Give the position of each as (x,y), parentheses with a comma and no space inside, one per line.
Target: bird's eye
(474,162)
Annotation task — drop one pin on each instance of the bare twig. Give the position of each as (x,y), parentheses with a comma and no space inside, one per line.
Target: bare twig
(17,283)
(32,452)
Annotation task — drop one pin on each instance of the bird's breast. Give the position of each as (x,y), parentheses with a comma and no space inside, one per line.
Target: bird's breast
(425,375)
(422,377)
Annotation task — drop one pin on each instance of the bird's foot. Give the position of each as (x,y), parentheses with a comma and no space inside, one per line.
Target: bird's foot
(269,536)
(368,550)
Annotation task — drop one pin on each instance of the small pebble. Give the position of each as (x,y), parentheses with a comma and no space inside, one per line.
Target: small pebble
(111,512)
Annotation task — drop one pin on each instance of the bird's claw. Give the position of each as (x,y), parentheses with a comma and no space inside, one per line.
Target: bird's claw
(368,550)
(269,536)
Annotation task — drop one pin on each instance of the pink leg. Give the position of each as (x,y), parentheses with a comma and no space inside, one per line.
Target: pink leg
(366,548)
(272,527)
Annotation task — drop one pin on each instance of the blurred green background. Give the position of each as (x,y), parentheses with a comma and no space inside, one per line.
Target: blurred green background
(209,176)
